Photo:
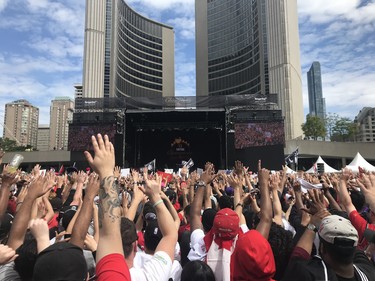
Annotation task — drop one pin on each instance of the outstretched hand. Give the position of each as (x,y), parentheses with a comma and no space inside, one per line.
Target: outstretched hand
(103,162)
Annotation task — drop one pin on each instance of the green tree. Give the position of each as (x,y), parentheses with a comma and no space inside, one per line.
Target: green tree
(10,145)
(314,127)
(344,130)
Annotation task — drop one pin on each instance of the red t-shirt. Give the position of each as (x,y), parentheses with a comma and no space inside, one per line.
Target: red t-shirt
(112,267)
(360,225)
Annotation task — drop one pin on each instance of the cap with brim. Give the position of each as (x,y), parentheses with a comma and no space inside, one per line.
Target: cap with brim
(252,258)
(338,231)
(60,261)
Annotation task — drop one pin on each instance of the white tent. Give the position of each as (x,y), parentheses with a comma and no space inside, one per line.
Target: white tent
(327,168)
(359,161)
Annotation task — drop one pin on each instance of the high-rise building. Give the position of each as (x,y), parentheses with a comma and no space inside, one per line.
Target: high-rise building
(43,138)
(21,123)
(125,53)
(78,91)
(251,47)
(61,112)
(365,121)
(317,104)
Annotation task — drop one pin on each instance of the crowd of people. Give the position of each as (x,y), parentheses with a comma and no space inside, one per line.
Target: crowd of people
(265,225)
(258,134)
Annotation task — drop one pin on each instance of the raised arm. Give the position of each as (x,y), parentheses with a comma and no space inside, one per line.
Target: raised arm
(277,210)
(8,179)
(265,222)
(103,164)
(367,185)
(85,215)
(345,199)
(168,243)
(37,188)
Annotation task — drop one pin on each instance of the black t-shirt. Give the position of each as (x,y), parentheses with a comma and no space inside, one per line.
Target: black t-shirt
(313,270)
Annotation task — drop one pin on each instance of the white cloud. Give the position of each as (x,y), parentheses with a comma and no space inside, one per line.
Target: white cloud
(3,4)
(185,27)
(164,4)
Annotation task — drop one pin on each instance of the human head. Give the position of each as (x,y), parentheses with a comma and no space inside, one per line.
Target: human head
(281,242)
(252,259)
(197,271)
(60,261)
(152,236)
(128,236)
(338,239)
(27,255)
(225,202)
(208,217)
(149,212)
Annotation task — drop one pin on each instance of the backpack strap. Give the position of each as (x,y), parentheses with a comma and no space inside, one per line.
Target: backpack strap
(360,273)
(324,268)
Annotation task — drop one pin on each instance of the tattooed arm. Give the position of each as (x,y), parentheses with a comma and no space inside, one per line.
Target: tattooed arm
(109,205)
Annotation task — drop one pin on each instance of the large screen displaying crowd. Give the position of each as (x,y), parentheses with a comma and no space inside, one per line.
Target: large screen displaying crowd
(258,134)
(80,136)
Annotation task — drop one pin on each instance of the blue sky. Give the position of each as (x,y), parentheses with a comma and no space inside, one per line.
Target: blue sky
(41,49)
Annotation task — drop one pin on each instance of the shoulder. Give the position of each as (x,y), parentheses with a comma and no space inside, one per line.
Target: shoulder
(112,267)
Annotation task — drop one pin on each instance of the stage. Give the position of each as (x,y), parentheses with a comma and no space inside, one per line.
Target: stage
(184,128)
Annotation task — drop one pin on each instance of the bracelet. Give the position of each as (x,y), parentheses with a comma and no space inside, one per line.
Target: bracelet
(239,204)
(19,203)
(157,203)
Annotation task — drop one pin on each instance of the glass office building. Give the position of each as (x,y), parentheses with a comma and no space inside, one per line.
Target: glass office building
(126,54)
(251,47)
(317,106)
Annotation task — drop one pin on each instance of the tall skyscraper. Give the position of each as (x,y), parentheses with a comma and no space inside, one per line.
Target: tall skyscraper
(251,47)
(21,122)
(61,112)
(126,54)
(317,104)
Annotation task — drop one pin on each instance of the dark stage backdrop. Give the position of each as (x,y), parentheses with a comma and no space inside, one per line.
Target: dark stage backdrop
(171,147)
(272,156)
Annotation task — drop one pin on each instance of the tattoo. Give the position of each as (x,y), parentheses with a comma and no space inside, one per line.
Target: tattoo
(109,204)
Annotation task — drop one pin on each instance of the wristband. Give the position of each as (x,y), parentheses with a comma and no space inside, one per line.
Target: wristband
(157,203)
(239,204)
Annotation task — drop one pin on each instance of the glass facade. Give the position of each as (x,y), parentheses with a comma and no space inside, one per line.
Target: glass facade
(314,83)
(107,54)
(237,47)
(139,65)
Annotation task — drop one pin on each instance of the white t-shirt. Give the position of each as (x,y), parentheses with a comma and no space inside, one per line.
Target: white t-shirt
(158,267)
(197,246)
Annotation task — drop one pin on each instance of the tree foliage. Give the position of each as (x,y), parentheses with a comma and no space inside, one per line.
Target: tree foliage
(340,128)
(11,145)
(314,127)
(344,130)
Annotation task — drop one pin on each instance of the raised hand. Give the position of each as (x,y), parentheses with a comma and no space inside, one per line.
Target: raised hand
(208,174)
(93,184)
(8,178)
(153,188)
(36,170)
(367,185)
(81,177)
(103,162)
(117,172)
(238,168)
(38,187)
